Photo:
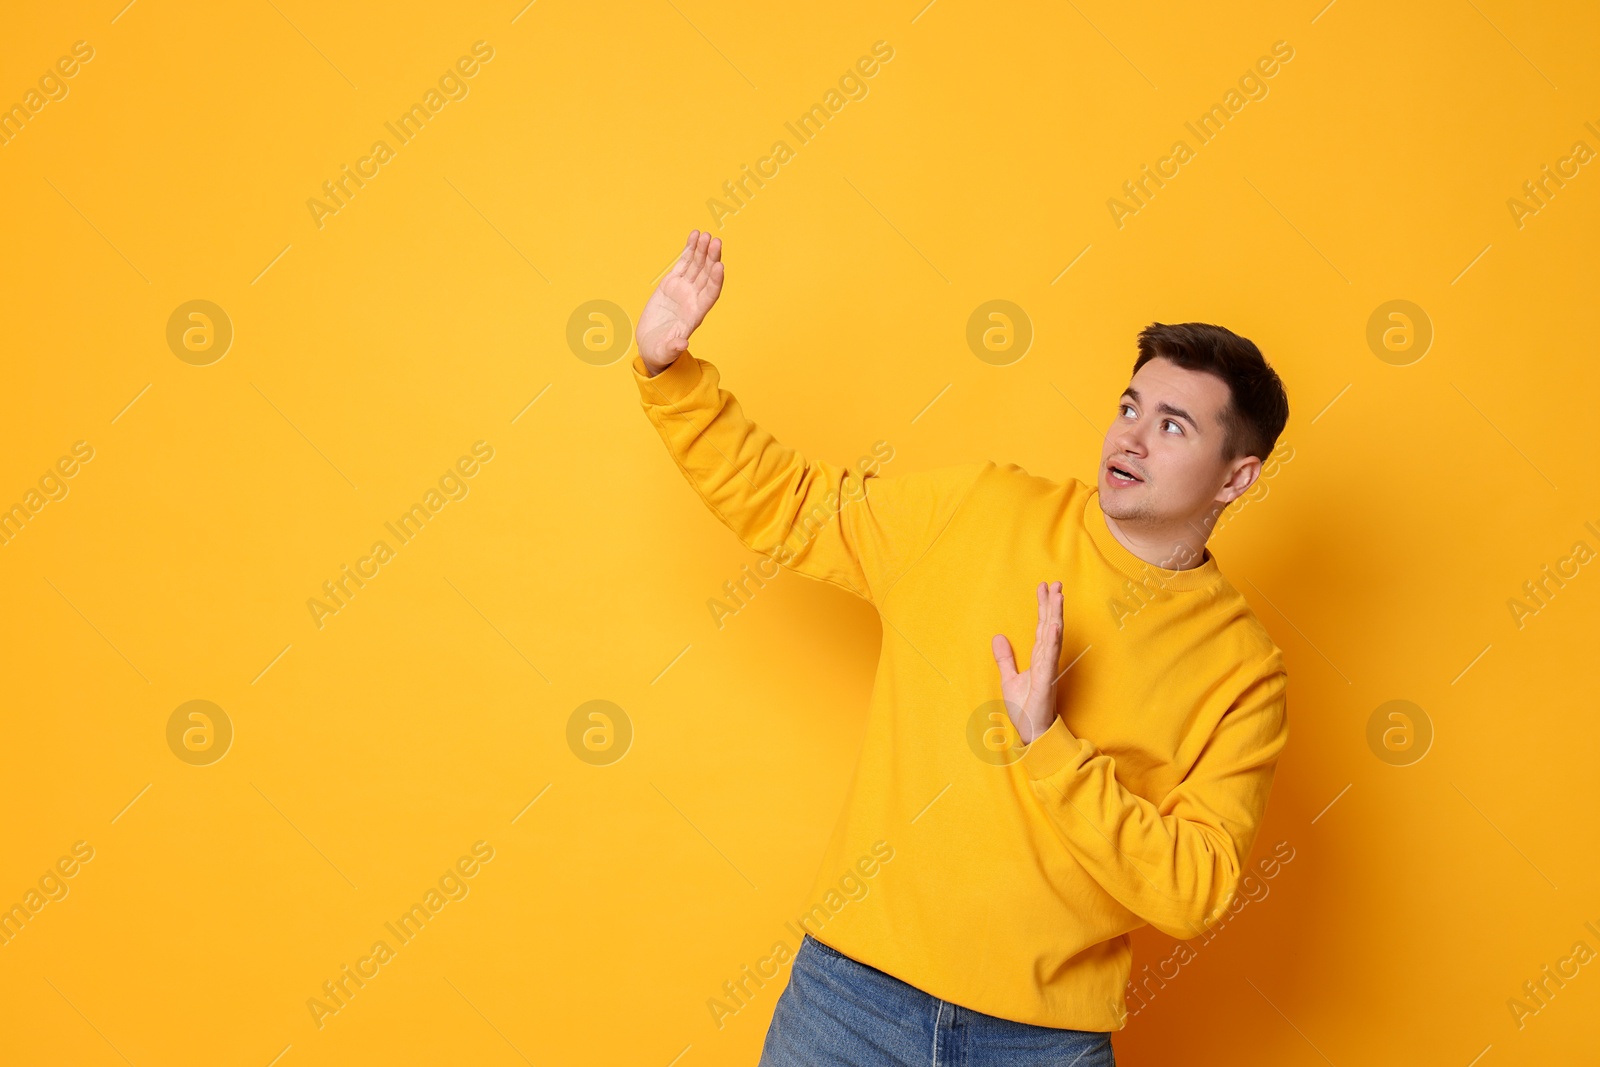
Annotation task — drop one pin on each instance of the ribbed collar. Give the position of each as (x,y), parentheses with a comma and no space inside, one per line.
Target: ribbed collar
(1205,575)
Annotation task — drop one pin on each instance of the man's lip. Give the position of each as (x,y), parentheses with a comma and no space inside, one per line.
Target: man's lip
(1121,467)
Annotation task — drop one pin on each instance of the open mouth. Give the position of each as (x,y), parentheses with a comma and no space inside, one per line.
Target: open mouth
(1121,476)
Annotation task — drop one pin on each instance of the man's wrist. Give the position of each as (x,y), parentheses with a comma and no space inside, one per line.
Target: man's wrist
(652,370)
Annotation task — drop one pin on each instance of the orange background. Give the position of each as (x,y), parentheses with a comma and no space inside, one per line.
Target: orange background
(431,711)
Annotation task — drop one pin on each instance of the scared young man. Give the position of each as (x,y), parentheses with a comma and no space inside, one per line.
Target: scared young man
(1035,817)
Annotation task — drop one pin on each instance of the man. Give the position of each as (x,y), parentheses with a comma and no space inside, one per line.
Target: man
(1027,838)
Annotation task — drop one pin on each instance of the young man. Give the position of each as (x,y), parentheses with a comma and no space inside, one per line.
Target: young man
(996,847)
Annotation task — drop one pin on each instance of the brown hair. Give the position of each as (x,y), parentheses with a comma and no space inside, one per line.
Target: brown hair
(1259,407)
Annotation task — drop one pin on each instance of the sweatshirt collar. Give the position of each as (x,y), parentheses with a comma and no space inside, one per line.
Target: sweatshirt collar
(1116,554)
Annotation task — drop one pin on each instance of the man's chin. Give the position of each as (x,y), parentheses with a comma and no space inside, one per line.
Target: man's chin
(1125,503)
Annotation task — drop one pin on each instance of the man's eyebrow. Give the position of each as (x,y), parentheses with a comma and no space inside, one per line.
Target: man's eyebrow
(1166,409)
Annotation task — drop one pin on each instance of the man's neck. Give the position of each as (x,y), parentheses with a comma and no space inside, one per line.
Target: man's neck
(1173,548)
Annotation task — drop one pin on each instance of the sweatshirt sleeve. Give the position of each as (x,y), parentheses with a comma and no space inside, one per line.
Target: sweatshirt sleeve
(1176,864)
(848,525)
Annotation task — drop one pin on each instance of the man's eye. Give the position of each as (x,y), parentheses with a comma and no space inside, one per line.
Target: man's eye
(1173,422)
(1123,408)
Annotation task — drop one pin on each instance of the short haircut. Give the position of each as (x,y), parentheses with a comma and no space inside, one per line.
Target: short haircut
(1259,406)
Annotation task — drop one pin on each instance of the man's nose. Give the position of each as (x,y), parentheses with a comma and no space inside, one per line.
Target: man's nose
(1129,439)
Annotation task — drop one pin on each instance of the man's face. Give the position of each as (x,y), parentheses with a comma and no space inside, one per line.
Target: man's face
(1168,433)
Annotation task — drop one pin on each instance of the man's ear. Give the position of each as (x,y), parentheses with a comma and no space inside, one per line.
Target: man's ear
(1241,477)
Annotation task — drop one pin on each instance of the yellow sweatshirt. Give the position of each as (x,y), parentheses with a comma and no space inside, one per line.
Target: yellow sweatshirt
(1016,872)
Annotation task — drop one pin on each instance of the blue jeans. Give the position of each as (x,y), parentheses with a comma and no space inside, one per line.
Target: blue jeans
(836,1012)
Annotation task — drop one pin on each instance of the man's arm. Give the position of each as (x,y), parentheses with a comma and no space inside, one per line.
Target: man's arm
(847,525)
(1176,864)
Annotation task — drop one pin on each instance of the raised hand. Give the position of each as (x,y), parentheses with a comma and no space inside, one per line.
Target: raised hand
(1030,696)
(680,302)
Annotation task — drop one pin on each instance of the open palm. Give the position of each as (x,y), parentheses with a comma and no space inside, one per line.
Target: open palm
(681,301)
(1030,696)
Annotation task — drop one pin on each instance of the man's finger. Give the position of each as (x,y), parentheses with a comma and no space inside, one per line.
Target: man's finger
(700,257)
(1003,657)
(680,266)
(1045,654)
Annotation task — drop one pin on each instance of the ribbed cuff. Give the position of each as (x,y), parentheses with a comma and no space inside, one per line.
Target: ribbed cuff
(1054,749)
(672,384)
